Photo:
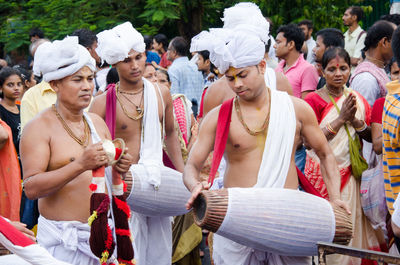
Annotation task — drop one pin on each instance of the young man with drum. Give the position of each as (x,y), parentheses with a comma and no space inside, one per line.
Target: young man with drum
(263,131)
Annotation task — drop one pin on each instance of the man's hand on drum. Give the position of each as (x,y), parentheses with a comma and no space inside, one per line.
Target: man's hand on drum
(341,204)
(123,165)
(204,185)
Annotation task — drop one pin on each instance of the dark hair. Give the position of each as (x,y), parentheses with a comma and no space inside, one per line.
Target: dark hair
(148,40)
(394,18)
(331,53)
(331,37)
(180,45)
(205,54)
(24,73)
(268,45)
(306,22)
(356,11)
(161,38)
(379,30)
(164,72)
(293,33)
(36,32)
(86,37)
(396,45)
(112,76)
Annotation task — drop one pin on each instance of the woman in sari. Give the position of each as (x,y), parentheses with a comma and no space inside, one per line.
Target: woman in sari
(343,113)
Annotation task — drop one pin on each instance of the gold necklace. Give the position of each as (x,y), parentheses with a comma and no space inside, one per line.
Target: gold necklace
(83,142)
(131,93)
(266,121)
(333,94)
(138,108)
(135,118)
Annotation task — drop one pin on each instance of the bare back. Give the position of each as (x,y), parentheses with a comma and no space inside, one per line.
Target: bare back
(52,148)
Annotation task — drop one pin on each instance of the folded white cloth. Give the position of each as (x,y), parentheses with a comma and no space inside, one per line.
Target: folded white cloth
(62,58)
(247,17)
(115,44)
(230,48)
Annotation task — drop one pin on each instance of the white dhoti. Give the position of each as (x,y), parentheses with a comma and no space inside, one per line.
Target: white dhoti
(67,241)
(273,172)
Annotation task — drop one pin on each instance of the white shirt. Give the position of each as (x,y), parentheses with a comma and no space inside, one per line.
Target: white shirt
(354,42)
(310,46)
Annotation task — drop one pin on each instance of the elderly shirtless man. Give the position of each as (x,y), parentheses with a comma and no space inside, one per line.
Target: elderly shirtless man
(59,149)
(265,128)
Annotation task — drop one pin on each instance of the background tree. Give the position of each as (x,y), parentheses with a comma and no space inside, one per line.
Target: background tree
(57,18)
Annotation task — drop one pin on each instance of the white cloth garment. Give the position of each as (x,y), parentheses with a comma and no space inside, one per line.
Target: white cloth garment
(152,236)
(247,17)
(67,241)
(62,58)
(273,172)
(115,44)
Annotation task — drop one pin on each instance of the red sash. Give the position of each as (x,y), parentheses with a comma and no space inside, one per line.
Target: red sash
(221,138)
(13,235)
(202,104)
(111,109)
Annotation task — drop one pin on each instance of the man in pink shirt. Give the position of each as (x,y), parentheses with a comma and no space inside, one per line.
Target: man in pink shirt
(301,74)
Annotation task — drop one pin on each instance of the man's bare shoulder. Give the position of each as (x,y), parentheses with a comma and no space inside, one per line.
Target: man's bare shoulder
(218,87)
(211,119)
(99,124)
(283,84)
(98,105)
(303,109)
(42,120)
(165,92)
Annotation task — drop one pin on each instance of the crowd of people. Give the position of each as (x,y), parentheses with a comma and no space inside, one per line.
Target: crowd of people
(233,108)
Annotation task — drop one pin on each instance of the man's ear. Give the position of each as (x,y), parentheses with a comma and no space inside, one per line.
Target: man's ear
(291,45)
(262,66)
(55,85)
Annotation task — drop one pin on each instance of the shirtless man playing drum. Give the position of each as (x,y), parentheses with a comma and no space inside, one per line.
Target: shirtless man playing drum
(265,124)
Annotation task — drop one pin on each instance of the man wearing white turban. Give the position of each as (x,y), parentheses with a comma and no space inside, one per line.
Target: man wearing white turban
(246,17)
(59,149)
(264,129)
(134,110)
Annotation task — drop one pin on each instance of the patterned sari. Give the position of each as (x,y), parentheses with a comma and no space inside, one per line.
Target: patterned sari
(364,236)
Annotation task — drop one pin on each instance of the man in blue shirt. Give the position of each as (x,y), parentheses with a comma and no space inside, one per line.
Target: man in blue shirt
(184,75)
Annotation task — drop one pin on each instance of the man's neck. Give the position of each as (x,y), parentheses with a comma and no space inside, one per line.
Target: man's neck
(206,72)
(125,85)
(259,101)
(375,57)
(69,113)
(353,27)
(291,58)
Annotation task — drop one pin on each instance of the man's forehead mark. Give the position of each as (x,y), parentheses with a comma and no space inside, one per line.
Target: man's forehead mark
(235,75)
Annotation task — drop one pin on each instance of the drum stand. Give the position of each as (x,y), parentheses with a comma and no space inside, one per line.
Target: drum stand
(330,248)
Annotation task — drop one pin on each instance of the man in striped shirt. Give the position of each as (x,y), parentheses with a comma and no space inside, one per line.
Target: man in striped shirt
(391,142)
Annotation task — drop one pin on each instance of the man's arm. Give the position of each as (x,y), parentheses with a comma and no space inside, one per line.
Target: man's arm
(35,157)
(315,138)
(283,84)
(198,155)
(171,139)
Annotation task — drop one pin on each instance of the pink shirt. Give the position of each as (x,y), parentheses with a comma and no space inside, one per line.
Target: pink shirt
(302,75)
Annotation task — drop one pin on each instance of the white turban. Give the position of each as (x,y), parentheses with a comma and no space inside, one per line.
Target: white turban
(115,44)
(246,17)
(38,58)
(227,48)
(62,58)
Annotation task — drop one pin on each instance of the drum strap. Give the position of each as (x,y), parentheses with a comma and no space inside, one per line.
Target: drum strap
(221,136)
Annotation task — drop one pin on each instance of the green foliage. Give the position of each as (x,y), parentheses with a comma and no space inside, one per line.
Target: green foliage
(58,18)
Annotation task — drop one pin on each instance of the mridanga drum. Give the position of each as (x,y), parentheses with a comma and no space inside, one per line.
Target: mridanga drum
(168,199)
(281,221)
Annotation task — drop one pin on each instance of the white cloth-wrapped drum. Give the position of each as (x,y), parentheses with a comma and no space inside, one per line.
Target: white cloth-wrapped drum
(168,199)
(281,221)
